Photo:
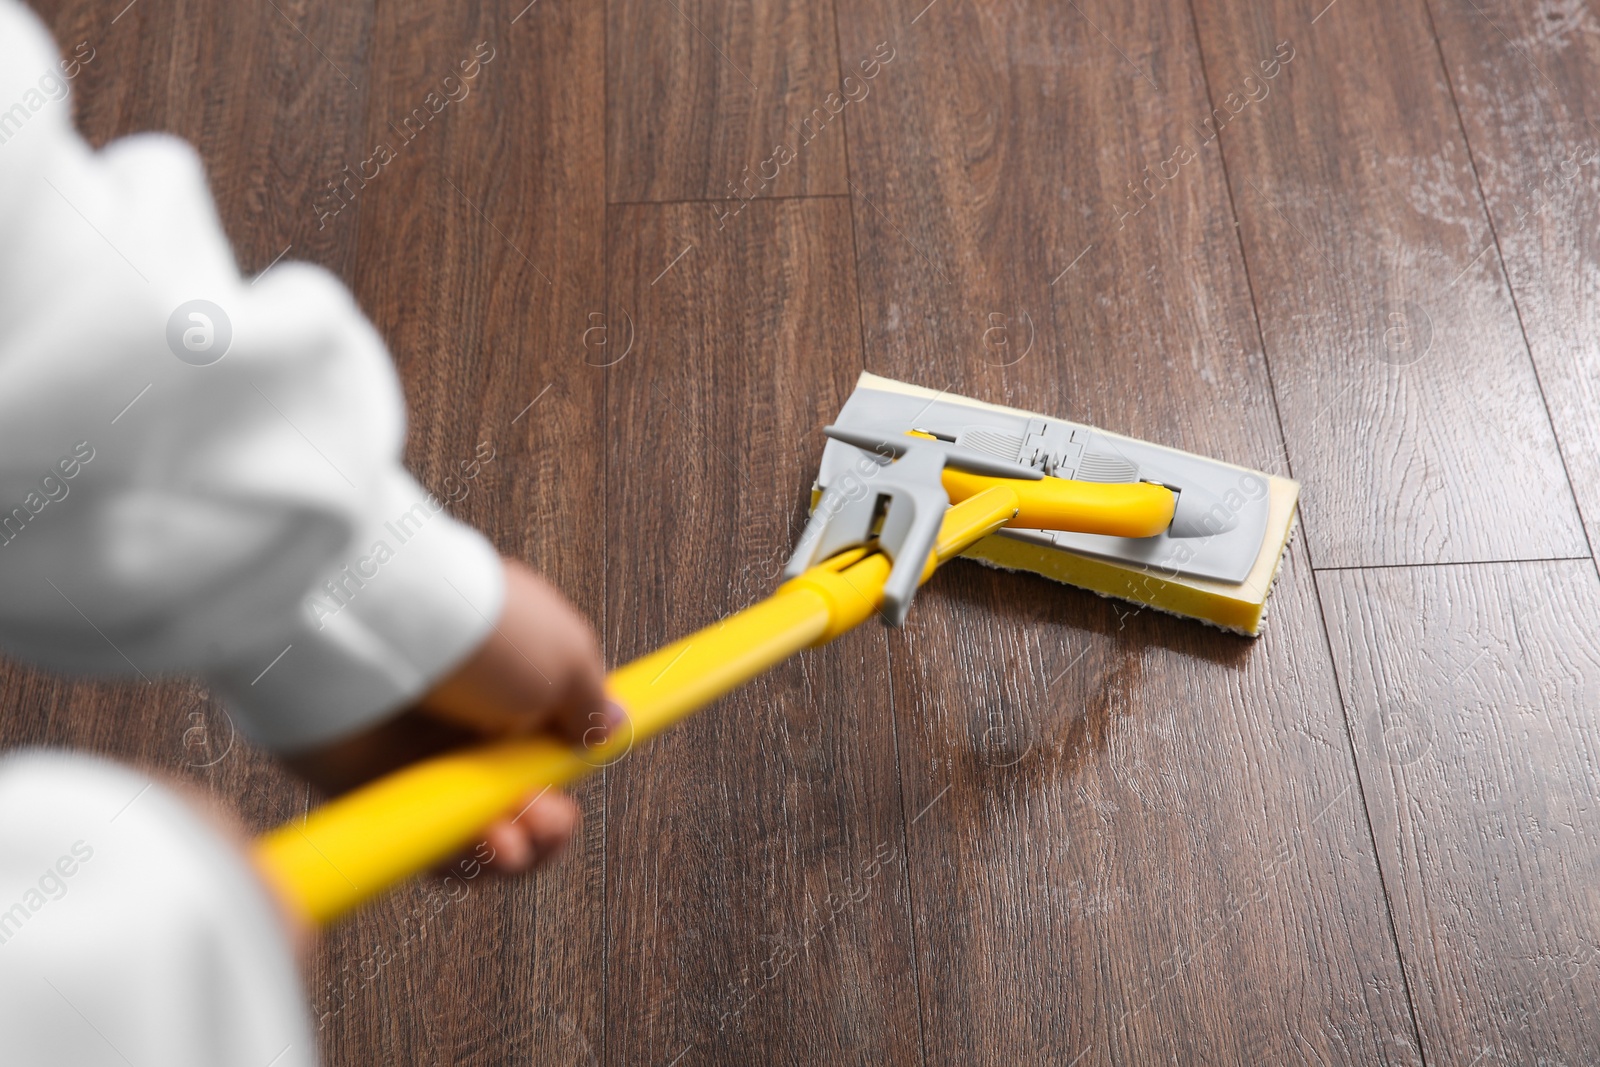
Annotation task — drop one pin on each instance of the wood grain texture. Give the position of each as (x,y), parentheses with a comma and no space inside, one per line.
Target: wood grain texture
(723,101)
(1132,840)
(1001,252)
(1523,79)
(1409,403)
(480,261)
(1473,692)
(1135,840)
(272,96)
(760,913)
(1033,826)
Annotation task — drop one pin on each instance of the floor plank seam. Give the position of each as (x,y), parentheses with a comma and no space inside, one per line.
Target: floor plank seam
(894,725)
(1244,264)
(1445,563)
(1505,271)
(605,526)
(1372,834)
(725,199)
(1322,617)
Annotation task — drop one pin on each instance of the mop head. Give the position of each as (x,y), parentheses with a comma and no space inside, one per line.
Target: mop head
(1220,566)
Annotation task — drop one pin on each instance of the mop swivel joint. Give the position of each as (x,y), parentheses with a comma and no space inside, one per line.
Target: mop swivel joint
(900,504)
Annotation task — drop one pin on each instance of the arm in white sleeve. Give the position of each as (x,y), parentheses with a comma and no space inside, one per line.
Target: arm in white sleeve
(247,519)
(132,931)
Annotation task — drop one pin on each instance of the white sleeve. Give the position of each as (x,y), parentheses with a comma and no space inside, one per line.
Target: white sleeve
(132,932)
(222,494)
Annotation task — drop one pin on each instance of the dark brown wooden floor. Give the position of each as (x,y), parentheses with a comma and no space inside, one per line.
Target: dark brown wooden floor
(1357,242)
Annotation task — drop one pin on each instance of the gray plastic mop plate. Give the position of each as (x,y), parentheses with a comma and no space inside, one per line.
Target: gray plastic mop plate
(1221,517)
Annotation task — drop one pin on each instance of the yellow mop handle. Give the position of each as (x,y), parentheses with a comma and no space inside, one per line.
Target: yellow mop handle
(358,845)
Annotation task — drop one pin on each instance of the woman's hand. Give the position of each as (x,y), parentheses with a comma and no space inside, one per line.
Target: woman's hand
(539,671)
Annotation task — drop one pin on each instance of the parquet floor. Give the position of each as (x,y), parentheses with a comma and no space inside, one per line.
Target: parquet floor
(1355,242)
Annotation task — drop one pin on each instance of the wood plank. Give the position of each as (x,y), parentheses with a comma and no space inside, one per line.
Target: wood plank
(716,100)
(1135,840)
(1120,838)
(275,113)
(760,912)
(480,261)
(1472,692)
(1132,839)
(1523,80)
(1006,268)
(1410,406)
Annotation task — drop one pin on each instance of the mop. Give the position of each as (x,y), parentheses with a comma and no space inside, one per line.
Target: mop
(909,479)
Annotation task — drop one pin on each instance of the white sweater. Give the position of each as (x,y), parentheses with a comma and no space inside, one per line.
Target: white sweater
(131,932)
(219,495)
(166,510)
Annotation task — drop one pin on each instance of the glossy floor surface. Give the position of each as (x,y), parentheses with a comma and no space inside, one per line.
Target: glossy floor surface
(645,250)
